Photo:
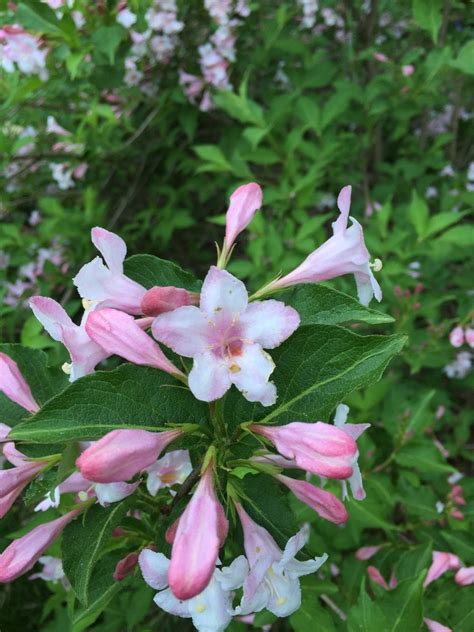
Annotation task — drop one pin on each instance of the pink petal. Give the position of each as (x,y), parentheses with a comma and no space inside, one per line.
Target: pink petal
(441,563)
(366,552)
(465,576)
(324,503)
(209,378)
(376,577)
(154,568)
(118,333)
(269,323)
(158,300)
(222,292)
(244,202)
(344,205)
(435,626)
(51,315)
(14,386)
(111,247)
(184,330)
(250,373)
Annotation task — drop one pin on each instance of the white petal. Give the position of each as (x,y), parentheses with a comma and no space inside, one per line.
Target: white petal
(285,595)
(113,492)
(294,544)
(233,576)
(92,279)
(169,603)
(154,568)
(184,330)
(250,373)
(210,610)
(222,292)
(111,247)
(209,378)
(269,323)
(340,417)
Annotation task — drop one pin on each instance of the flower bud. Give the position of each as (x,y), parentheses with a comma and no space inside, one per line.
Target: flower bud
(14,386)
(121,454)
(456,336)
(244,202)
(324,503)
(125,566)
(158,300)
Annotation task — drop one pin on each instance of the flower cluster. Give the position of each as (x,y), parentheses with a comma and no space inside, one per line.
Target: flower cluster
(17,47)
(227,334)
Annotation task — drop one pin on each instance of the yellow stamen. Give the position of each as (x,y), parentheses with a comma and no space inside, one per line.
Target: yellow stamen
(377,265)
(67,368)
(234,368)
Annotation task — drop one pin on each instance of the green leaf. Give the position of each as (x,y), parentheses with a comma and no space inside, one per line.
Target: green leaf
(43,382)
(150,271)
(84,540)
(421,417)
(441,221)
(418,214)
(311,615)
(320,305)
(403,606)
(461,544)
(414,561)
(107,40)
(423,457)
(39,18)
(102,588)
(315,369)
(214,157)
(458,236)
(107,400)
(366,615)
(240,107)
(465,60)
(428,15)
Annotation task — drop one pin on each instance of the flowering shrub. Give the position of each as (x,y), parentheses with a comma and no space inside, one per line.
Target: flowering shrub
(141,117)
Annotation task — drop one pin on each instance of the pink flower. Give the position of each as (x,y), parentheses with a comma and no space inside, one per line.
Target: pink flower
(14,386)
(244,203)
(343,253)
(15,479)
(158,300)
(469,336)
(380,57)
(316,447)
(408,70)
(456,336)
(376,576)
(53,127)
(366,552)
(441,563)
(107,284)
(23,49)
(201,531)
(21,554)
(120,334)
(85,353)
(354,431)
(435,626)
(324,503)
(226,337)
(121,454)
(170,470)
(465,576)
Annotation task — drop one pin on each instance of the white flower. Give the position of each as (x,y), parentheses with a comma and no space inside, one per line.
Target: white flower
(170,470)
(126,18)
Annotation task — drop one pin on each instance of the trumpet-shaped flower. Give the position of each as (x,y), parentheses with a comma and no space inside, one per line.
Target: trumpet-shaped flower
(354,431)
(121,454)
(120,334)
(324,503)
(210,610)
(85,353)
(107,285)
(170,470)
(343,253)
(440,564)
(201,531)
(158,299)
(14,386)
(273,579)
(318,448)
(226,336)
(465,576)
(21,554)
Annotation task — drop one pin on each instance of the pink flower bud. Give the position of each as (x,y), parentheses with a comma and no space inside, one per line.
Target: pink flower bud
(19,556)
(244,202)
(457,515)
(324,503)
(469,336)
(380,57)
(456,336)
(366,552)
(118,333)
(441,563)
(408,70)
(201,530)
(121,454)
(125,566)
(165,299)
(13,385)
(435,626)
(377,577)
(317,447)
(465,576)
(16,478)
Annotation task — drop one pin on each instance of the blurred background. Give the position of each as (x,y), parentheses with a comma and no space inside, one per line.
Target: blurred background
(143,116)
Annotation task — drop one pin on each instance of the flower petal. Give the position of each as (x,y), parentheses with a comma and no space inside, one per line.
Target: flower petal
(171,604)
(111,247)
(254,368)
(344,205)
(209,378)
(154,568)
(51,315)
(269,323)
(222,292)
(184,330)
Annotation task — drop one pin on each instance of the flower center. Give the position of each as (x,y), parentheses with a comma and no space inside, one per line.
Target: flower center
(168,478)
